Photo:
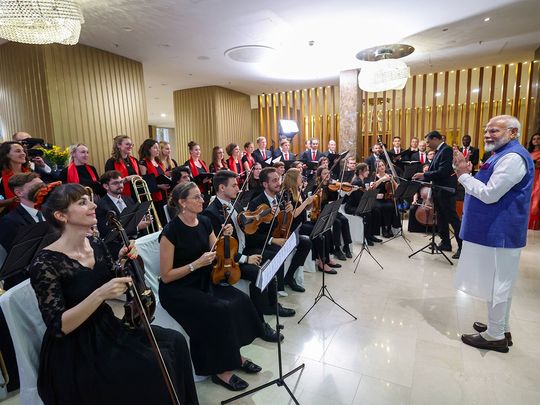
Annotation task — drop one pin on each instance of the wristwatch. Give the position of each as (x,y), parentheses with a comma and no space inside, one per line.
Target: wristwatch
(191,268)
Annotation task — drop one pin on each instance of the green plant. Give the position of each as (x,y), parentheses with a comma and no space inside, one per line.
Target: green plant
(56,155)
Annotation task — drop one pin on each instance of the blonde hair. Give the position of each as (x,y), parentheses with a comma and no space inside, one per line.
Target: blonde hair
(290,182)
(163,158)
(73,149)
(115,153)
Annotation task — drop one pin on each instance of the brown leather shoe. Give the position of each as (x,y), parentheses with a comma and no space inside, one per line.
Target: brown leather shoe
(476,340)
(482,327)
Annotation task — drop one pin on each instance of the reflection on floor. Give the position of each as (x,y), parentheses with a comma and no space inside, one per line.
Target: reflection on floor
(405,347)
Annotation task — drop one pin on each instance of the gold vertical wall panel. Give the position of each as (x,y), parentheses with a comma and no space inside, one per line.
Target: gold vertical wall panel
(394,96)
(24,103)
(434,103)
(504,88)
(517,88)
(267,109)
(492,90)
(479,104)
(424,89)
(528,98)
(413,108)
(456,105)
(260,102)
(211,116)
(467,103)
(444,116)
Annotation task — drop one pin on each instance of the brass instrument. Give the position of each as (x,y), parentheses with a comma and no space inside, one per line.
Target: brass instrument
(142,193)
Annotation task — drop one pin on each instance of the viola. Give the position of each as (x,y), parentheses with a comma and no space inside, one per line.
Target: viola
(249,221)
(316,206)
(284,221)
(226,269)
(344,186)
(424,211)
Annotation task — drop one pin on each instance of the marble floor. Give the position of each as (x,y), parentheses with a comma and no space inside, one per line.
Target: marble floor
(405,346)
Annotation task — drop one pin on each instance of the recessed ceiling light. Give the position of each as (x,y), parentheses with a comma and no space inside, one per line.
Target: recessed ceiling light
(487,19)
(249,53)
(163,115)
(164,45)
(203,57)
(127,29)
(476,90)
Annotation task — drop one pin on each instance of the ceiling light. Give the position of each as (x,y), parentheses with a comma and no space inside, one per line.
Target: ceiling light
(476,91)
(41,21)
(163,115)
(487,19)
(127,29)
(249,53)
(438,94)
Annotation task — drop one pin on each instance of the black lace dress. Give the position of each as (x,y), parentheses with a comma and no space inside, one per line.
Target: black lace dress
(102,361)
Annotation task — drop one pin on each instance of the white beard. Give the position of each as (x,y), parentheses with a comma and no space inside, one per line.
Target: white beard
(490,147)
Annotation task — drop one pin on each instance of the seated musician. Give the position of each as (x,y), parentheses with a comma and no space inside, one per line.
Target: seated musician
(371,219)
(226,190)
(255,243)
(350,169)
(340,227)
(292,183)
(385,185)
(218,319)
(89,356)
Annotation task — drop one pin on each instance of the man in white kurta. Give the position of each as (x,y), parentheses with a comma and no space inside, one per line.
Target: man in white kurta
(494,228)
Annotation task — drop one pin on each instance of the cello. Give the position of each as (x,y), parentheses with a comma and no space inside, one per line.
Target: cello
(139,311)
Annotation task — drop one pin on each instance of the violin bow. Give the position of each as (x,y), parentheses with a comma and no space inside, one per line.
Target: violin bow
(392,169)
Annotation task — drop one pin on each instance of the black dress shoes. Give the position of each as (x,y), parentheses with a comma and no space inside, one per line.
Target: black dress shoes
(374,239)
(250,367)
(334,265)
(338,254)
(457,254)
(369,242)
(285,312)
(482,327)
(444,247)
(270,335)
(347,251)
(294,285)
(476,340)
(235,383)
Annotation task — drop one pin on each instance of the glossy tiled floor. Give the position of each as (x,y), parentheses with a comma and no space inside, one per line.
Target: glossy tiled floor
(405,346)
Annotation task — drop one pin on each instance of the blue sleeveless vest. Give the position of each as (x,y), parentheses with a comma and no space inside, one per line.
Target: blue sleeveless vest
(502,224)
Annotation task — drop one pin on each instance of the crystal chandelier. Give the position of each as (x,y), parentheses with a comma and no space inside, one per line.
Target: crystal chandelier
(40,21)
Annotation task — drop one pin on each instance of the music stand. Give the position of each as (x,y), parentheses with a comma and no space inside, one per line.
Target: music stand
(434,249)
(365,206)
(267,274)
(28,242)
(130,218)
(323,224)
(406,189)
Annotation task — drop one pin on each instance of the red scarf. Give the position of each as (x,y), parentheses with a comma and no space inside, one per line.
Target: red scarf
(195,172)
(121,167)
(231,164)
(6,175)
(151,169)
(73,176)
(250,160)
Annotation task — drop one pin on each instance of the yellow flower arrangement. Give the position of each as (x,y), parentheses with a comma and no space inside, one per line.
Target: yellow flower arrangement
(56,155)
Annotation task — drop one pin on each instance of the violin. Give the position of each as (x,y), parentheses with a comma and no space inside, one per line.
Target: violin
(139,311)
(249,221)
(316,206)
(424,212)
(344,186)
(226,269)
(284,220)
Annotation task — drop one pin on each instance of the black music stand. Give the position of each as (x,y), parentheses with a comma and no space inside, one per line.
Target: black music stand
(405,190)
(432,246)
(263,280)
(129,218)
(323,224)
(365,206)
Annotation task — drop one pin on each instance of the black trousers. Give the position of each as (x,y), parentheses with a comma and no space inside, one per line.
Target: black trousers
(341,229)
(319,249)
(387,214)
(445,206)
(262,300)
(8,353)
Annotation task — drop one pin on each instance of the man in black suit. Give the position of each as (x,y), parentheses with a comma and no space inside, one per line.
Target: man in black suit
(114,200)
(421,154)
(396,153)
(23,186)
(311,155)
(470,152)
(375,156)
(441,173)
(261,154)
(271,182)
(226,187)
(284,151)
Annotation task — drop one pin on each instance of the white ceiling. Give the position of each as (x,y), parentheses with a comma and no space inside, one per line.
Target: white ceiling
(169,37)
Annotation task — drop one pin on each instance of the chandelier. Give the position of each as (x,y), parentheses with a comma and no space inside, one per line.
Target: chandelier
(40,21)
(381,71)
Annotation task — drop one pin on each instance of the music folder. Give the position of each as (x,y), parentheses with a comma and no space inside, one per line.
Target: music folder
(130,218)
(200,177)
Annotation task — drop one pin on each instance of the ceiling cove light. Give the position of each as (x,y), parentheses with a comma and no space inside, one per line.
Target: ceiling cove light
(249,53)
(41,21)
(381,70)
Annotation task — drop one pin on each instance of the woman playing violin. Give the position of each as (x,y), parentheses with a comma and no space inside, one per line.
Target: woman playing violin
(88,356)
(218,319)
(385,185)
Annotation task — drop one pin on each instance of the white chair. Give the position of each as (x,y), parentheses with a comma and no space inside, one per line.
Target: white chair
(356,225)
(26,328)
(148,249)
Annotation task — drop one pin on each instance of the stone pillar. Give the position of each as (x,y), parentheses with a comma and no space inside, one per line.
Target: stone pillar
(349,107)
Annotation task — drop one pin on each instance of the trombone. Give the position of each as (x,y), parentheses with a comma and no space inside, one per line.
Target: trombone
(142,193)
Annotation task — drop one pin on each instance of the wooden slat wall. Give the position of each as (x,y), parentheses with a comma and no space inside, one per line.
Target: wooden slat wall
(93,96)
(211,116)
(23,92)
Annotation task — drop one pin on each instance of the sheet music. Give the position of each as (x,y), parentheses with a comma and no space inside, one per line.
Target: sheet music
(270,268)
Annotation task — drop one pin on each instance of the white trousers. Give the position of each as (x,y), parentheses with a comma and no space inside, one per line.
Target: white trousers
(499,319)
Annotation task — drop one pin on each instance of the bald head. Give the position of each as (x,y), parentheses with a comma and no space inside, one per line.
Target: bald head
(20,136)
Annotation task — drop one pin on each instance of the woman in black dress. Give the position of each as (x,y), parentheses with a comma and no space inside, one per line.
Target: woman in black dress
(385,185)
(88,356)
(218,319)
(79,171)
